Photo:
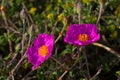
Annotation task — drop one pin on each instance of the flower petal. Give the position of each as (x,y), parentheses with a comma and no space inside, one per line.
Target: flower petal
(32,52)
(77,29)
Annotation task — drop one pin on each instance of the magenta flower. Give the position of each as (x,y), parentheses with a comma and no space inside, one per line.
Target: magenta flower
(41,50)
(82,34)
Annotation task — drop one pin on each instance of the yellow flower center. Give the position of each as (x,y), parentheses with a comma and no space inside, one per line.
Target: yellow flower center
(43,50)
(83,37)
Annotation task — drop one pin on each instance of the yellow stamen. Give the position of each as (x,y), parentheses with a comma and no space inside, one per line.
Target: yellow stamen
(43,50)
(83,37)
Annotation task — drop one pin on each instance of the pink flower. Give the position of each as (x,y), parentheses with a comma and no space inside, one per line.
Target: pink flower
(82,34)
(41,50)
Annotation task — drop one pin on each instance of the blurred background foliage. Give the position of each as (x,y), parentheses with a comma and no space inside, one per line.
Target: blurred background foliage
(45,16)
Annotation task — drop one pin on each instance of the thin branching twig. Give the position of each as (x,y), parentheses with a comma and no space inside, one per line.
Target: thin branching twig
(65,72)
(100,10)
(6,25)
(79,7)
(24,78)
(23,17)
(53,29)
(12,72)
(98,72)
(14,57)
(86,61)
(108,49)
(23,57)
(60,34)
(26,10)
(46,27)
(61,64)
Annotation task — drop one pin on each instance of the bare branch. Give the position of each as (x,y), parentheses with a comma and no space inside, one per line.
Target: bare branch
(65,72)
(100,10)
(108,49)
(98,72)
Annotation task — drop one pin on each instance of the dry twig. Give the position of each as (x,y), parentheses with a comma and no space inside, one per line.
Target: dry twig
(60,33)
(54,27)
(108,49)
(86,61)
(98,72)
(65,72)
(100,10)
